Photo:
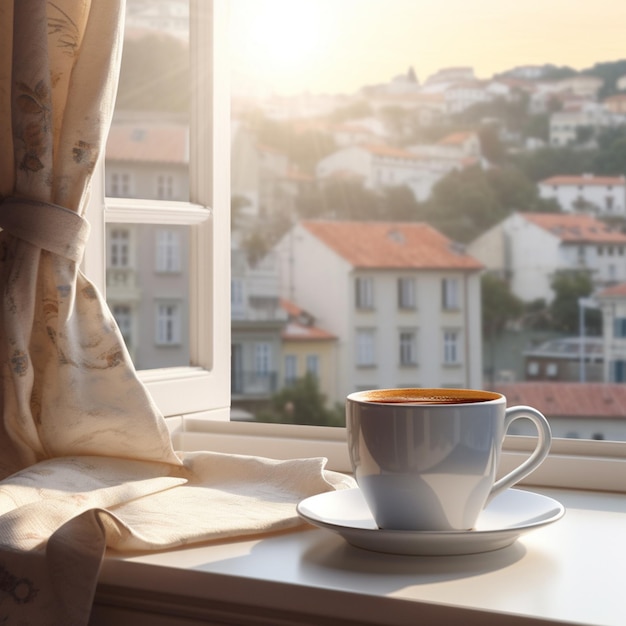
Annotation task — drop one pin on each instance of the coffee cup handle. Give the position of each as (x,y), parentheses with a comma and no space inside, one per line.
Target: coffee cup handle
(542,448)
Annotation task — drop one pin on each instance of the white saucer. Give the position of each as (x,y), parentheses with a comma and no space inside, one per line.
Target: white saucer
(505,518)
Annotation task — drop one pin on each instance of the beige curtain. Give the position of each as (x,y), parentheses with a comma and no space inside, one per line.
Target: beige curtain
(85,457)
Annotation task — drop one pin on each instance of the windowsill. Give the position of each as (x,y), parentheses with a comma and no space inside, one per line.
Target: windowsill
(568,572)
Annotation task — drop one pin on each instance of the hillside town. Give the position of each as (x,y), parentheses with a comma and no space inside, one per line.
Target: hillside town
(364,225)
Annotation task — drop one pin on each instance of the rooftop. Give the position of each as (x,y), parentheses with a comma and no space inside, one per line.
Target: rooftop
(564,399)
(391,245)
(576,228)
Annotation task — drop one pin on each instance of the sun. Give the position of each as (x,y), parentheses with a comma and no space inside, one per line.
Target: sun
(281,38)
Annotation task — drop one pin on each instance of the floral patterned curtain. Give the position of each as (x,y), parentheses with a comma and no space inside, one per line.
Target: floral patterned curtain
(85,457)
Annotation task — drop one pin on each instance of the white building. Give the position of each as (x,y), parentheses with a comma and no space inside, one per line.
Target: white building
(529,248)
(603,195)
(404,301)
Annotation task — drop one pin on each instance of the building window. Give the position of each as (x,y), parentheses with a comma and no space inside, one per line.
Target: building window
(408,348)
(123,316)
(364,292)
(619,371)
(165,187)
(119,248)
(263,358)
(619,327)
(168,324)
(451,347)
(291,369)
(119,185)
(406,292)
(552,369)
(313,365)
(365,347)
(450,293)
(168,251)
(237,299)
(532,368)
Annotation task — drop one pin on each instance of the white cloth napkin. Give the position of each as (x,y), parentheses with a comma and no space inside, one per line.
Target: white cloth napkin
(57,518)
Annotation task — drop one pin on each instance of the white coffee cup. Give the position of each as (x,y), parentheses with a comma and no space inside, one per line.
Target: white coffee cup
(426,459)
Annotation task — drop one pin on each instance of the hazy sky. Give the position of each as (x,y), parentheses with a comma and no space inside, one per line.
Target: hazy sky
(330,46)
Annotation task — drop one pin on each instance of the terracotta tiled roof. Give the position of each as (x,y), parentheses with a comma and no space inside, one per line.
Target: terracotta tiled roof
(614,291)
(391,245)
(575,228)
(568,399)
(298,332)
(162,143)
(585,181)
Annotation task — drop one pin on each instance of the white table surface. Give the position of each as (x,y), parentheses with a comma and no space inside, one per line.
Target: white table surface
(572,571)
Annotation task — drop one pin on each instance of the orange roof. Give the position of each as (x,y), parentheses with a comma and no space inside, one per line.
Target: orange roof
(576,228)
(568,399)
(299,332)
(162,143)
(584,180)
(613,291)
(390,245)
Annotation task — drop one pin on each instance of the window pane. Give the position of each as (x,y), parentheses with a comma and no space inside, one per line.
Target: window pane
(147,286)
(389,190)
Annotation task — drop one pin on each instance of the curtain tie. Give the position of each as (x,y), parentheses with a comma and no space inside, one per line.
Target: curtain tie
(45,225)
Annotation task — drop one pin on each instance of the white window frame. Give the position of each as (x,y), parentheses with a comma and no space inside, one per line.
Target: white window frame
(407,347)
(450,293)
(190,395)
(203,388)
(452,346)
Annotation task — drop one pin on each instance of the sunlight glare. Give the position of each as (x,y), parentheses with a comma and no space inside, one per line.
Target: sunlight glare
(283,35)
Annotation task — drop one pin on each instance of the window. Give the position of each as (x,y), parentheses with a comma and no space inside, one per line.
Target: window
(119,185)
(262,359)
(124,318)
(165,187)
(619,327)
(365,347)
(168,251)
(202,385)
(451,347)
(364,292)
(406,292)
(119,248)
(450,293)
(313,365)
(408,348)
(552,370)
(168,324)
(291,369)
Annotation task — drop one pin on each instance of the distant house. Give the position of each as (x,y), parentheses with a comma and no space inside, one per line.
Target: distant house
(257,323)
(566,359)
(404,301)
(616,103)
(574,410)
(612,301)
(308,349)
(147,159)
(603,195)
(528,248)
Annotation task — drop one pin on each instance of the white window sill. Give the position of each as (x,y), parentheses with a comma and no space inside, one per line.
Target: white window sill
(568,572)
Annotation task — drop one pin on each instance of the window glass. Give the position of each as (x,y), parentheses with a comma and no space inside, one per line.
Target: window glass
(147,159)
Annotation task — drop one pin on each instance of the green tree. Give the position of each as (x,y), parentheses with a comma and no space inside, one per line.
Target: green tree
(568,287)
(302,403)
